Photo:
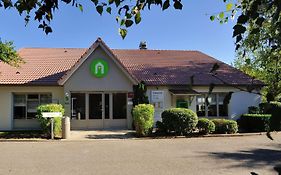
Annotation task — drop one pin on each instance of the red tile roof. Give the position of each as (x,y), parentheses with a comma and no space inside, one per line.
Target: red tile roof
(45,66)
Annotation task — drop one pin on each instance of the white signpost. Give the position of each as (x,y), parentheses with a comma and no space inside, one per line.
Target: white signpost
(157,100)
(52,115)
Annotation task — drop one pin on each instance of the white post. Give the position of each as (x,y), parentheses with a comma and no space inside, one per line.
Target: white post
(66,128)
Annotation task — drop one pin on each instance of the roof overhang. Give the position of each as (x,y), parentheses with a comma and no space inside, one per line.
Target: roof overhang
(183,92)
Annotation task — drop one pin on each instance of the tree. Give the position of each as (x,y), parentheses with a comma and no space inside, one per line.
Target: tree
(129,13)
(8,54)
(259,51)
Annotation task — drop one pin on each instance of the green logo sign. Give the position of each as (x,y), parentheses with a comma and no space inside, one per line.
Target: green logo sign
(99,68)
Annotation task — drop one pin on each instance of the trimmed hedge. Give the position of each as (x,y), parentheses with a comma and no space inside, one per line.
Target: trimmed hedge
(143,115)
(254,122)
(224,126)
(178,121)
(273,108)
(46,122)
(275,120)
(205,126)
(253,110)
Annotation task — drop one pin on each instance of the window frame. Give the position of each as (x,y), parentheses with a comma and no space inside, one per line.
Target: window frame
(26,102)
(217,97)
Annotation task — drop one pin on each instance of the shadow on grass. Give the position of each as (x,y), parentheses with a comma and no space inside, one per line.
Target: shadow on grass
(254,158)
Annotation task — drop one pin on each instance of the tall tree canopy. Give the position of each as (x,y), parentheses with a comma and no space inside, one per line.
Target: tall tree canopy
(259,43)
(254,15)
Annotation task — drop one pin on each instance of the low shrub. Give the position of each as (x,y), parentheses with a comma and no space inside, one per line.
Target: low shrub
(253,110)
(143,115)
(178,121)
(45,123)
(254,122)
(265,108)
(224,126)
(273,108)
(205,126)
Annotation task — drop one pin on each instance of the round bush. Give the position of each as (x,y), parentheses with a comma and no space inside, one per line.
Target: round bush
(205,126)
(179,121)
(143,115)
(224,126)
(46,122)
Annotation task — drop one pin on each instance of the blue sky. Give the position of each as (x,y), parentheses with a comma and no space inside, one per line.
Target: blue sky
(189,29)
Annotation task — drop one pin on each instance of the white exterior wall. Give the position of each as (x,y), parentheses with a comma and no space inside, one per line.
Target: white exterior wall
(239,103)
(6,108)
(167,98)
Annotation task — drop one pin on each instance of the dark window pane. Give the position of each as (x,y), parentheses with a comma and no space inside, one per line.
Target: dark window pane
(78,106)
(106,107)
(19,112)
(33,96)
(31,115)
(45,98)
(95,106)
(119,106)
(19,100)
(212,108)
(223,111)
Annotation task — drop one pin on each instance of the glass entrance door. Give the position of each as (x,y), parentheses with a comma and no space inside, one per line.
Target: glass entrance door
(95,106)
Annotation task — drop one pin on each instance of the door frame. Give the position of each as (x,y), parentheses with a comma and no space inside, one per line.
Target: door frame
(88,122)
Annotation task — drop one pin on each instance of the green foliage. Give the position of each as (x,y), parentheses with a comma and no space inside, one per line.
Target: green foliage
(178,121)
(46,122)
(8,54)
(254,122)
(258,47)
(224,126)
(140,96)
(275,121)
(253,110)
(143,115)
(205,126)
(129,12)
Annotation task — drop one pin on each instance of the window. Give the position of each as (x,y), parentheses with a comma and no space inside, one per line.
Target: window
(119,106)
(223,111)
(25,105)
(200,105)
(212,108)
(78,105)
(95,106)
(216,107)
(19,106)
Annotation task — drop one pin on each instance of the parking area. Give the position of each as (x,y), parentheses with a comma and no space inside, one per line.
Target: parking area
(214,155)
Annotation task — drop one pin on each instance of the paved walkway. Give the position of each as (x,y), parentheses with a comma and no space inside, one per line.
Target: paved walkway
(192,156)
(101,134)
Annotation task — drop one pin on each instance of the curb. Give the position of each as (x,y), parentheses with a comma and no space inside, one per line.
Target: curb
(138,138)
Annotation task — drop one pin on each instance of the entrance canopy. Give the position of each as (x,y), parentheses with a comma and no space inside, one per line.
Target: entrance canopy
(184,91)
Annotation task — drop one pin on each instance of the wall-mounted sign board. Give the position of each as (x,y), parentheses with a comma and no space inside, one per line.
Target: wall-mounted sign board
(51,114)
(99,68)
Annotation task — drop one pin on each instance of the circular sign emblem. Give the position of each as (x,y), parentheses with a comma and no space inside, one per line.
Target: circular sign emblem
(99,68)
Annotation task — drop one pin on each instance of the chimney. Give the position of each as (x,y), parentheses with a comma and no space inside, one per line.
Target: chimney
(142,45)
